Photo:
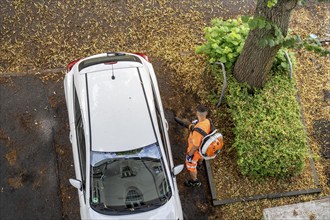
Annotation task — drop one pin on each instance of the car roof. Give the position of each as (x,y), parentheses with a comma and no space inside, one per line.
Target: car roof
(120,106)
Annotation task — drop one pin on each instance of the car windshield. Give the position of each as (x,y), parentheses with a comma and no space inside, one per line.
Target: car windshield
(130,181)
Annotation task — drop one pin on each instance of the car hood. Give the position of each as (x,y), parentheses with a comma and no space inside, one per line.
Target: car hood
(170,210)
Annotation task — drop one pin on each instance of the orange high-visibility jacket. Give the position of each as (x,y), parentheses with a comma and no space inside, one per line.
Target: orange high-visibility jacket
(195,138)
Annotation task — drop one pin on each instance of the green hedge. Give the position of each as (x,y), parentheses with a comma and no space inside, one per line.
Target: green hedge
(269,136)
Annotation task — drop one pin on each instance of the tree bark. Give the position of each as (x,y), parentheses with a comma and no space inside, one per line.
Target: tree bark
(255,61)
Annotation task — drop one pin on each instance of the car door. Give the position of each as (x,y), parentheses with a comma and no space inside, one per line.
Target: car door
(79,144)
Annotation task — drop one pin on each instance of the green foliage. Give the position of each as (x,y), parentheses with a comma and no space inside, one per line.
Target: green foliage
(271,3)
(256,22)
(269,136)
(277,38)
(225,41)
(281,63)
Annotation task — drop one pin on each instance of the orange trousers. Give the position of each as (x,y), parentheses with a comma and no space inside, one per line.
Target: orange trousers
(192,165)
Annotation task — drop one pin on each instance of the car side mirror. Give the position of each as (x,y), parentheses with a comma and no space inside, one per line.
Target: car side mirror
(177,169)
(76,183)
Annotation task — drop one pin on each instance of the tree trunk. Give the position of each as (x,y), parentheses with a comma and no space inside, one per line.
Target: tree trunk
(255,61)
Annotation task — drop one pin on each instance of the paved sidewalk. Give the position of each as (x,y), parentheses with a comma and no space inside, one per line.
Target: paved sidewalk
(318,209)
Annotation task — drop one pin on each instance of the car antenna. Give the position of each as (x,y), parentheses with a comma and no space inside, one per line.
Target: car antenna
(113,74)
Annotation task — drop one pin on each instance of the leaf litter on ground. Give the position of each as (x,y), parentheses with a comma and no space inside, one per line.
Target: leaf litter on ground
(45,35)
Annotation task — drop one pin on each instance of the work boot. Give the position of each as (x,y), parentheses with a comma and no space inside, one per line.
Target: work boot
(193,183)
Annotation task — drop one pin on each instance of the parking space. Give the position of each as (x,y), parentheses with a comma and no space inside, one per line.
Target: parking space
(35,154)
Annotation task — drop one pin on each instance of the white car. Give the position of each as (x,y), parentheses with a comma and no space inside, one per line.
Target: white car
(121,150)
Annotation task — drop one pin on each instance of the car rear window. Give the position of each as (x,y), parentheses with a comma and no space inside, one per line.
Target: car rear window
(115,58)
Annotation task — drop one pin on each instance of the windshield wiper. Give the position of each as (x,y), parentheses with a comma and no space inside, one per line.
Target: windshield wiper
(103,208)
(145,159)
(146,207)
(163,199)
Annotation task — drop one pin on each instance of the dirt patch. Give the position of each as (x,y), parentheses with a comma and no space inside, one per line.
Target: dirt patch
(11,157)
(326,94)
(327,174)
(322,135)
(68,198)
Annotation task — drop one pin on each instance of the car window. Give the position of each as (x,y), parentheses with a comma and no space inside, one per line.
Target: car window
(162,132)
(160,123)
(81,144)
(128,182)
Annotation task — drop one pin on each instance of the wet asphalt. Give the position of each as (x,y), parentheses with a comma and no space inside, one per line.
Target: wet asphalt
(29,175)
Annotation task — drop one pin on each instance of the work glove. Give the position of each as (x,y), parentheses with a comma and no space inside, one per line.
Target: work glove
(189,158)
(191,127)
(194,122)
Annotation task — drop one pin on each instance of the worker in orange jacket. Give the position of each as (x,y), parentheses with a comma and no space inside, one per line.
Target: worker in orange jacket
(193,156)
